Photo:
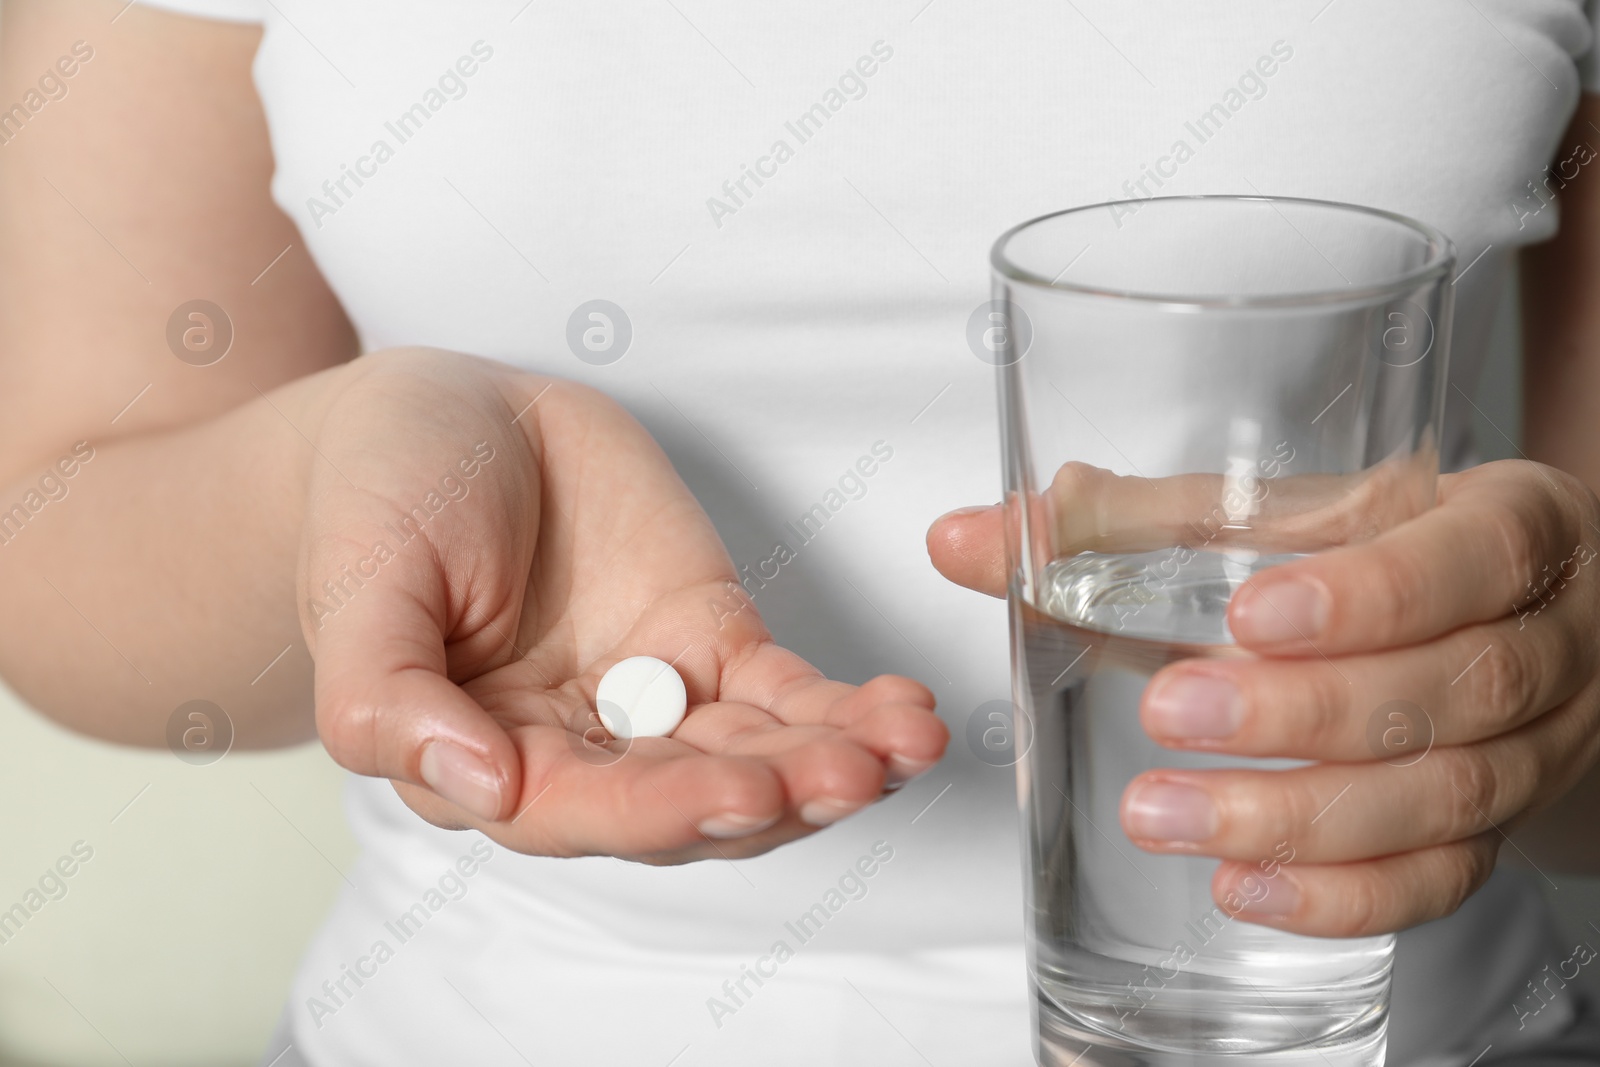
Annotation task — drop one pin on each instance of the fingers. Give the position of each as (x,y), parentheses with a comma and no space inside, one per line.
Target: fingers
(967,546)
(385,706)
(404,590)
(892,715)
(1505,535)
(662,799)
(651,796)
(769,676)
(1090,509)
(1339,812)
(907,737)
(836,747)
(829,778)
(1471,685)
(658,798)
(414,725)
(1085,509)
(733,779)
(825,775)
(1357,899)
(1471,559)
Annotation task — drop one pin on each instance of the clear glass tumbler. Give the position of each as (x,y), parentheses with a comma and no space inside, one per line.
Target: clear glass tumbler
(1192,389)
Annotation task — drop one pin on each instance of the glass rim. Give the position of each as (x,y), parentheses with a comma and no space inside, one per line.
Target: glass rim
(1440,262)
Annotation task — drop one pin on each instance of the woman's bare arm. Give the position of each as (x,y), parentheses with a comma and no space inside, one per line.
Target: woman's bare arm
(457,656)
(165,572)
(1561,421)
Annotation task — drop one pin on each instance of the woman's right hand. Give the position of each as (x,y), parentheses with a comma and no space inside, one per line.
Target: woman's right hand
(481,544)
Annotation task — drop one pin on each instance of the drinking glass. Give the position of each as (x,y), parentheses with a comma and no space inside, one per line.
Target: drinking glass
(1192,390)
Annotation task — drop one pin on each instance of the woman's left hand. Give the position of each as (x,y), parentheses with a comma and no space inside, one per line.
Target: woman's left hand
(1445,675)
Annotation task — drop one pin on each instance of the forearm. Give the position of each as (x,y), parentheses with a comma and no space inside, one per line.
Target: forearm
(1561,326)
(162,571)
(1561,384)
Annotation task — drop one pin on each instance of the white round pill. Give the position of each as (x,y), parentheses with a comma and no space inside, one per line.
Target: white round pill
(641,697)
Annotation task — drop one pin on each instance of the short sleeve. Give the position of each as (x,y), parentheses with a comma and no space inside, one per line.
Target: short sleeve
(228,10)
(1589,62)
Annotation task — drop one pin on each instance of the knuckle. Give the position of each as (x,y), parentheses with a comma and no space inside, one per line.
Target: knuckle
(1451,875)
(1516,535)
(1263,724)
(1473,788)
(892,689)
(407,354)
(1505,680)
(1468,868)
(347,726)
(1574,500)
(1525,766)
(1073,497)
(1292,708)
(381,365)
(1402,598)
(1326,725)
(1074,476)
(1287,805)
(1361,906)
(733,785)
(586,396)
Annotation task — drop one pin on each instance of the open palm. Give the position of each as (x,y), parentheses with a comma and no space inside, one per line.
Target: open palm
(481,545)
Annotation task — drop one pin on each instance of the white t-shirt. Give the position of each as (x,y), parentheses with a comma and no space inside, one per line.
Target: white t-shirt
(468,174)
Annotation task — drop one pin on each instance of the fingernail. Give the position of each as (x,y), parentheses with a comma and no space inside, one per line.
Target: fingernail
(1194,707)
(1169,811)
(1275,898)
(825,811)
(461,778)
(1295,609)
(732,824)
(902,770)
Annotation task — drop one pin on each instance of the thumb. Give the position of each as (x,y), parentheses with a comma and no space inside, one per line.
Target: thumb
(967,546)
(385,704)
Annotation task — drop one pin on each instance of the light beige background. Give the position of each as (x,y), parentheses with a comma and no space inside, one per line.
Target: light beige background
(174,944)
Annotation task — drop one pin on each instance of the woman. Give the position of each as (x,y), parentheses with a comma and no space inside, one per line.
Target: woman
(760,233)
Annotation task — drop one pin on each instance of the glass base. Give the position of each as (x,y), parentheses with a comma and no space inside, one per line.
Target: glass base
(1060,1041)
